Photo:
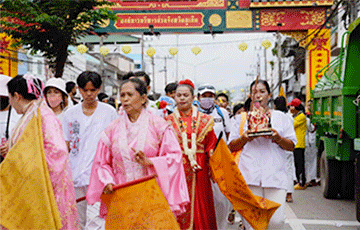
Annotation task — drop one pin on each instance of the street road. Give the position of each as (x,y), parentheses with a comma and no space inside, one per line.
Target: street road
(311,211)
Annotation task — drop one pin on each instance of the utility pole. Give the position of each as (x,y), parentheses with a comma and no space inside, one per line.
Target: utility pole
(142,53)
(165,70)
(266,75)
(153,73)
(177,60)
(278,36)
(102,71)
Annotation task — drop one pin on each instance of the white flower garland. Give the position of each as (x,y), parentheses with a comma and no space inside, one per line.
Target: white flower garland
(190,153)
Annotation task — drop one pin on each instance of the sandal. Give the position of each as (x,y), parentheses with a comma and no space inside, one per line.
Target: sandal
(289,198)
(231,217)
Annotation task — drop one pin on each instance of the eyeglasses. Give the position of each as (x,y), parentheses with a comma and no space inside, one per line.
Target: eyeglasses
(206,87)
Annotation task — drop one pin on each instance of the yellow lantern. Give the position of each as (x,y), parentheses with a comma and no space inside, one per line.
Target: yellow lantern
(126,49)
(196,50)
(242,90)
(243,46)
(150,52)
(173,51)
(233,91)
(81,49)
(104,50)
(266,44)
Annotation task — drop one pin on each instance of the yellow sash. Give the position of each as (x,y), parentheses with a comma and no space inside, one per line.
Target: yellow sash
(27,198)
(138,205)
(256,210)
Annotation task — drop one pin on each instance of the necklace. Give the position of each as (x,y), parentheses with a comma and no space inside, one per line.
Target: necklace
(190,153)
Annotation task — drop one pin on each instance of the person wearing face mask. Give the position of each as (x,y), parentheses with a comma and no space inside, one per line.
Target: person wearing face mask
(206,95)
(8,117)
(56,96)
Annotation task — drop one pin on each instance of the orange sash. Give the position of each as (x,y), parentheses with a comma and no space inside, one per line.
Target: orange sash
(236,154)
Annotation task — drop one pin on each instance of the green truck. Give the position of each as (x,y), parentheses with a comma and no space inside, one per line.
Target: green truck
(336,101)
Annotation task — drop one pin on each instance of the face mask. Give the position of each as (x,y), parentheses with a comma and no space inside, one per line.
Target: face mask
(206,102)
(4,103)
(54,101)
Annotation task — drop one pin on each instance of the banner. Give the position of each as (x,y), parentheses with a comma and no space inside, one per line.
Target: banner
(256,210)
(27,198)
(138,204)
(319,51)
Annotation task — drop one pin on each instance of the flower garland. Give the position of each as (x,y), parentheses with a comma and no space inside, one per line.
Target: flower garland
(190,153)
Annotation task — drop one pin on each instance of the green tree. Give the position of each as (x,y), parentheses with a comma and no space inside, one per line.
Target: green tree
(50,26)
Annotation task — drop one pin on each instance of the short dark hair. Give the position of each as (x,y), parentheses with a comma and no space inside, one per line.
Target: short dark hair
(170,87)
(188,86)
(281,104)
(70,85)
(87,76)
(18,84)
(139,85)
(222,95)
(127,75)
(142,74)
(262,82)
(237,107)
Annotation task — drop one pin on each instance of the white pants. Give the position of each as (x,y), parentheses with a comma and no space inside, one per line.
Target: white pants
(222,206)
(277,221)
(310,162)
(290,171)
(88,214)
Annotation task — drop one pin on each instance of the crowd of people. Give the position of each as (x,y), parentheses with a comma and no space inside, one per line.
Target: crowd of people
(97,143)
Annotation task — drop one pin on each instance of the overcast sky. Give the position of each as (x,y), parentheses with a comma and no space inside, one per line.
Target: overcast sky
(219,63)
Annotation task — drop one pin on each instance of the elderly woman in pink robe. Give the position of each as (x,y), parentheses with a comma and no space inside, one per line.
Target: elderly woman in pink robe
(25,96)
(135,145)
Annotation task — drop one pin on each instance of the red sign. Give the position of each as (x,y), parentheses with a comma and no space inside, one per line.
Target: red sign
(160,20)
(168,5)
(292,19)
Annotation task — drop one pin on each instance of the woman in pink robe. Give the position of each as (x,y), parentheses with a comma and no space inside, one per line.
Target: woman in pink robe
(135,145)
(56,152)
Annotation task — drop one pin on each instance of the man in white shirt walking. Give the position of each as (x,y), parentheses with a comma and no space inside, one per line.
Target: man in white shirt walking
(82,126)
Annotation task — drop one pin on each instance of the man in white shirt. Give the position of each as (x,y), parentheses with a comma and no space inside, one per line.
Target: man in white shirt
(82,126)
(206,95)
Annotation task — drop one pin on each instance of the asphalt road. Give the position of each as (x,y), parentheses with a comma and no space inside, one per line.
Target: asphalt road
(311,211)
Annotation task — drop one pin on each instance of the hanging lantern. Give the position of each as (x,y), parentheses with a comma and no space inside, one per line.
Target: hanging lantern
(233,91)
(243,46)
(104,50)
(173,51)
(81,49)
(126,49)
(150,52)
(266,44)
(196,50)
(242,90)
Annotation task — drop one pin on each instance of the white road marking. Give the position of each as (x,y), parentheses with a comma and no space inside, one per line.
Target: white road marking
(297,224)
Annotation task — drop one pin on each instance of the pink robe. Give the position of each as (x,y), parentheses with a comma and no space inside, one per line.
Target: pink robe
(114,160)
(57,158)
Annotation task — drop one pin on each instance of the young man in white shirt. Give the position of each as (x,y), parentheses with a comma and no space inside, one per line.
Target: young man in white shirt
(82,126)
(206,95)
